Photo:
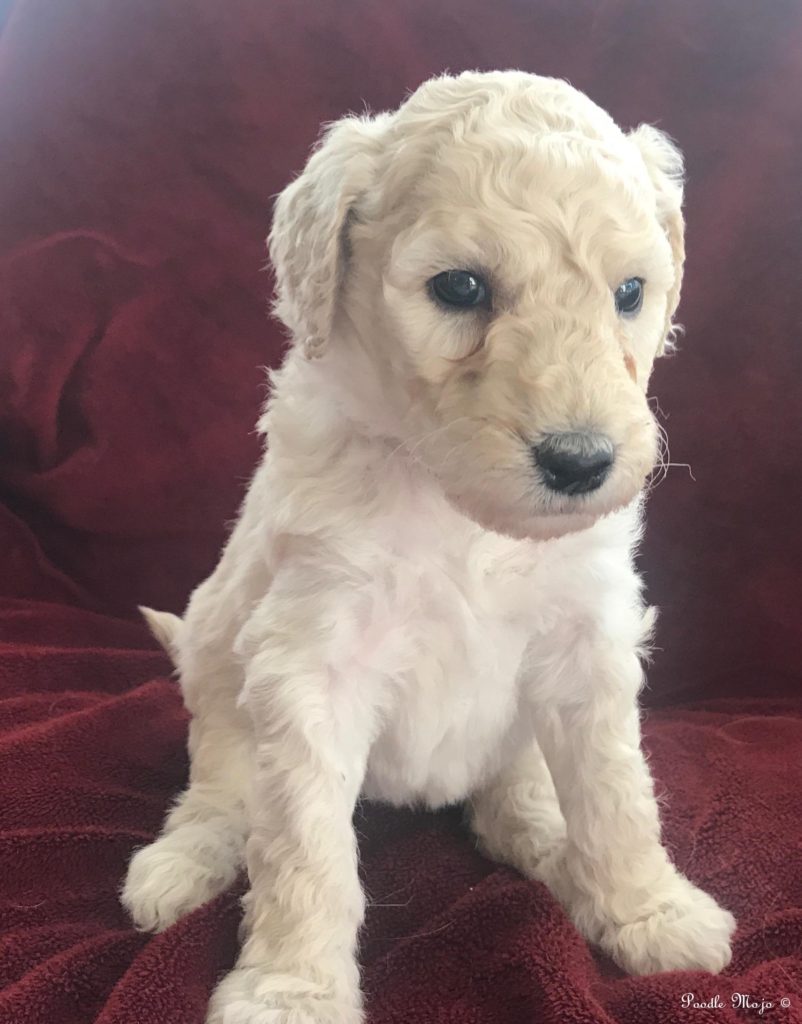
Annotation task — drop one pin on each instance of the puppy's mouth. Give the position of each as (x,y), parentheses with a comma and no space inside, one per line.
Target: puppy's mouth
(565,499)
(540,484)
(536,509)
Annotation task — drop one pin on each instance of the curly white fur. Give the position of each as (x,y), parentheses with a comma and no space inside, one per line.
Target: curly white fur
(404,610)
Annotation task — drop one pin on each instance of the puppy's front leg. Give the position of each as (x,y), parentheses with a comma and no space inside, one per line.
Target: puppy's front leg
(615,879)
(305,905)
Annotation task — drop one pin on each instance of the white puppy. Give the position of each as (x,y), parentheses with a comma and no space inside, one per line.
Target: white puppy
(430,596)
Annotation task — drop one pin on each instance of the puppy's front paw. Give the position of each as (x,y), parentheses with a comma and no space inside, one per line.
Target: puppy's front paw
(678,927)
(688,932)
(173,876)
(250,995)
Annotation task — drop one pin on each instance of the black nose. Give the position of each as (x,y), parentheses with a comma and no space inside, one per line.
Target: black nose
(574,463)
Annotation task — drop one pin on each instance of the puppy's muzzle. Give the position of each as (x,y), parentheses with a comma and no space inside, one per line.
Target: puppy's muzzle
(574,463)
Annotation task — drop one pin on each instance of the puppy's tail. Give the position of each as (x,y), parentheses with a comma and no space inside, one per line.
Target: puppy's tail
(165,627)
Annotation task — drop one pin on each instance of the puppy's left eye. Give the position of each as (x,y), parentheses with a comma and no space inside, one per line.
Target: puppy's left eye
(629,296)
(460,289)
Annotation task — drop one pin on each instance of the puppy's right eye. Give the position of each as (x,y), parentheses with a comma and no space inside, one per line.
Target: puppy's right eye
(460,289)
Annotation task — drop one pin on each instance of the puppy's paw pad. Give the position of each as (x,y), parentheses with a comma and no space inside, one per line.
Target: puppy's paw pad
(691,934)
(165,882)
(249,995)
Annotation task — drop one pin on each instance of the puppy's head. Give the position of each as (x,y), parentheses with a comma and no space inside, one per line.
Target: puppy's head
(489,273)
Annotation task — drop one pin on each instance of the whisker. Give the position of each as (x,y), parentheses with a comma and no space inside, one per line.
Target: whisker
(682,465)
(653,399)
(664,462)
(424,437)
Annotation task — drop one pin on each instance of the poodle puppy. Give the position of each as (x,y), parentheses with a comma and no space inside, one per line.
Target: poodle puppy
(429,595)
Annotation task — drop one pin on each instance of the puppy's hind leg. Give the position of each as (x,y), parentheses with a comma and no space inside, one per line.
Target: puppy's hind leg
(201,847)
(516,817)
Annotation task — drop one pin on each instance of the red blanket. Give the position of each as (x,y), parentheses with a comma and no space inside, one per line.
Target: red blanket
(140,144)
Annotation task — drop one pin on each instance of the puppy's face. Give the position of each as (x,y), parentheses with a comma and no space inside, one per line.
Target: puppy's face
(511,274)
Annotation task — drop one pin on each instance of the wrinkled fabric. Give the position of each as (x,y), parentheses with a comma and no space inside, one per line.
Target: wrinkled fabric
(141,143)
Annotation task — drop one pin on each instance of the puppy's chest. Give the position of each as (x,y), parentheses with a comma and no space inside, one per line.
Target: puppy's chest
(455,709)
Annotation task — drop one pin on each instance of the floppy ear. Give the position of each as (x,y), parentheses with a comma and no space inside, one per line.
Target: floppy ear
(665,166)
(307,241)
